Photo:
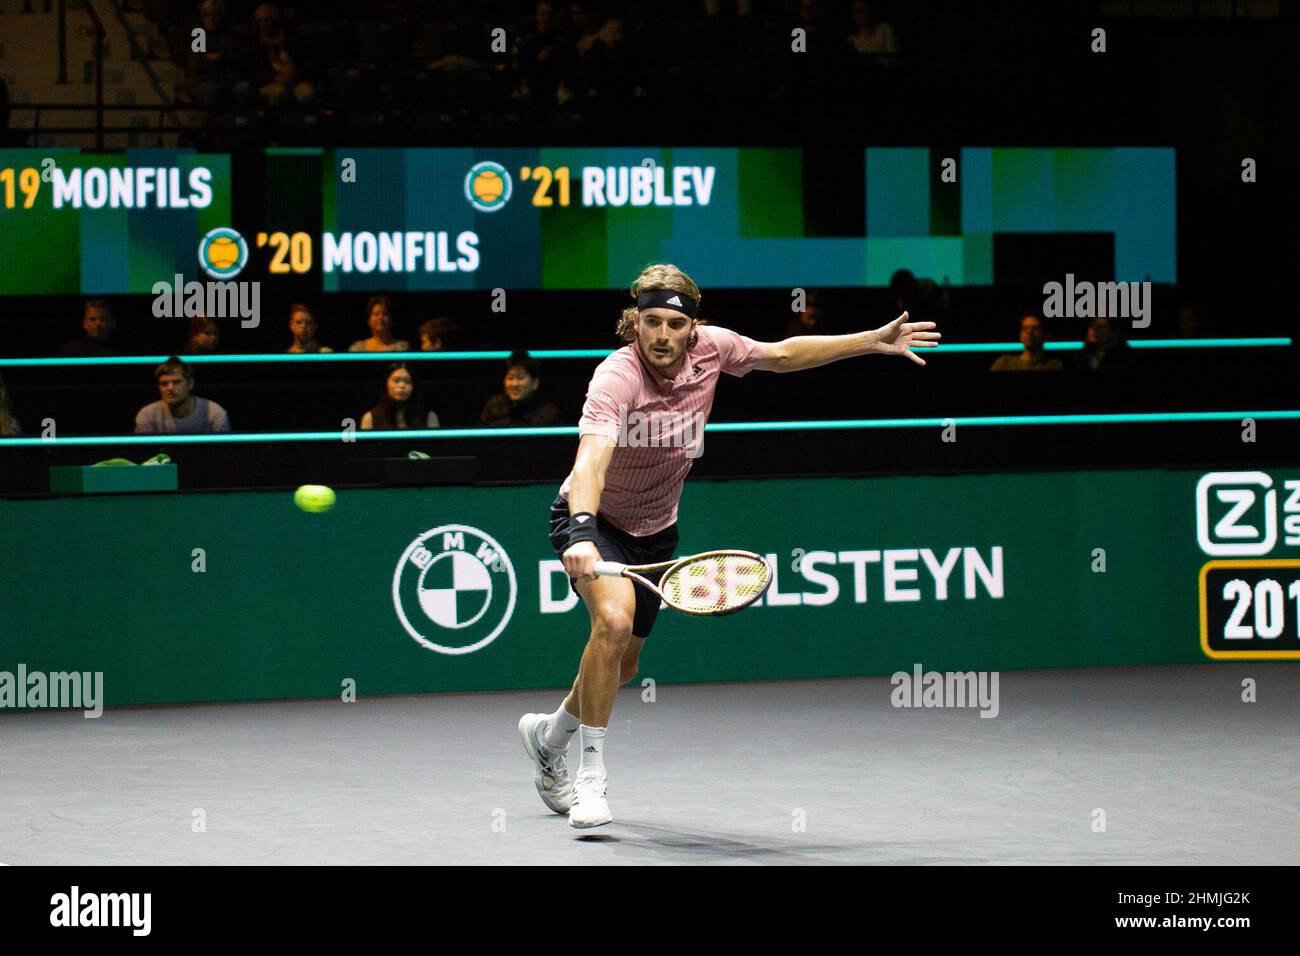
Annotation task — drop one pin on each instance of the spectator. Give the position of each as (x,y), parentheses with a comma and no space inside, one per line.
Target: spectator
(521,403)
(302,323)
(1033,358)
(204,337)
(539,56)
(437,334)
(870,37)
(278,78)
(215,77)
(1104,348)
(914,296)
(379,312)
(179,411)
(9,427)
(808,322)
(98,324)
(401,406)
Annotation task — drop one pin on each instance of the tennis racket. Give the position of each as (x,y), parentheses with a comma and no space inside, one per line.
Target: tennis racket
(706,585)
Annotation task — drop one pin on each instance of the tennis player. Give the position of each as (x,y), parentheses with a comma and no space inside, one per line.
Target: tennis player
(641,428)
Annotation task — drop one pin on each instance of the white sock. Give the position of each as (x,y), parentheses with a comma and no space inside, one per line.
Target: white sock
(592,741)
(559,727)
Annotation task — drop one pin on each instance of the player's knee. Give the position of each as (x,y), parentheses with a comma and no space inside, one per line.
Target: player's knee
(614,624)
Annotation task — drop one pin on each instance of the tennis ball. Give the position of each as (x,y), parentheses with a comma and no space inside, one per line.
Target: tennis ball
(314,498)
(488,186)
(222,252)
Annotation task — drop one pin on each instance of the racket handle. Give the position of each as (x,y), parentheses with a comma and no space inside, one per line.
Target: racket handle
(609,569)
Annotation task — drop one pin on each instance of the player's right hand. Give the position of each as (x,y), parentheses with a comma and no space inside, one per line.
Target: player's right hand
(580,561)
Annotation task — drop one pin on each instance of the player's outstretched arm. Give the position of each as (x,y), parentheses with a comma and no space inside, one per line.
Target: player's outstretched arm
(809,351)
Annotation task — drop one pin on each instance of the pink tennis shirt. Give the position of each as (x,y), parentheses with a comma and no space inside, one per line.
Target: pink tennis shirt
(656,424)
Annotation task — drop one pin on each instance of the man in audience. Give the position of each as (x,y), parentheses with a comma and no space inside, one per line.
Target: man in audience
(179,411)
(436,335)
(521,403)
(98,324)
(302,323)
(1033,358)
(1104,348)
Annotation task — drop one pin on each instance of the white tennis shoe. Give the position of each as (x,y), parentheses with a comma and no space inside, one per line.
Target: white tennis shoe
(550,767)
(590,808)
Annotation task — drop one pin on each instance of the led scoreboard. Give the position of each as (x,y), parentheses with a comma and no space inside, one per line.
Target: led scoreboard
(562,218)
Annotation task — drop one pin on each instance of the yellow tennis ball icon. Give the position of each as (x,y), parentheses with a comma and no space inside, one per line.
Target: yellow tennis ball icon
(223,252)
(488,186)
(314,498)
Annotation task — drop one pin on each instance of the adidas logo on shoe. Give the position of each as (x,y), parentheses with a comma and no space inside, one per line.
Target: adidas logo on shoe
(590,750)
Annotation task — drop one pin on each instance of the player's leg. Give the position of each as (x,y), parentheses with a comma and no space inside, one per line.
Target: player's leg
(626,671)
(611,605)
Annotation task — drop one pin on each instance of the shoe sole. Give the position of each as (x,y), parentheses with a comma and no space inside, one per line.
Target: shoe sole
(589,826)
(531,750)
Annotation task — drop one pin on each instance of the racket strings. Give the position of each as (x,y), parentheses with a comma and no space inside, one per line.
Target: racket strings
(712,584)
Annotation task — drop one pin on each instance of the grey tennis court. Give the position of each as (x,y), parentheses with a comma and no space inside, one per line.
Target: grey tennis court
(805,772)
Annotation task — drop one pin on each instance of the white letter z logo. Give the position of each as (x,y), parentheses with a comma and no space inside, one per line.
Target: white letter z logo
(1230,539)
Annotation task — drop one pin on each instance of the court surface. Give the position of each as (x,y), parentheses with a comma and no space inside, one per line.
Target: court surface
(1185,771)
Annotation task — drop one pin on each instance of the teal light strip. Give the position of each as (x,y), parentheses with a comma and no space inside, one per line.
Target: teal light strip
(287,357)
(1210,343)
(500,355)
(1117,418)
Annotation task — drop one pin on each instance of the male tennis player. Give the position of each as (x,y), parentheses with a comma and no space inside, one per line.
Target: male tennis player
(641,427)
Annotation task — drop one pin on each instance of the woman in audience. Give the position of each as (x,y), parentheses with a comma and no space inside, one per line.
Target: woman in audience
(379,313)
(204,337)
(401,406)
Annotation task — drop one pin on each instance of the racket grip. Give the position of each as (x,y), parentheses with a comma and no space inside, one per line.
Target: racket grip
(609,569)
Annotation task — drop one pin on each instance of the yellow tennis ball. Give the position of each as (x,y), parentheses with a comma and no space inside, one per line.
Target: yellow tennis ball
(222,252)
(314,498)
(488,186)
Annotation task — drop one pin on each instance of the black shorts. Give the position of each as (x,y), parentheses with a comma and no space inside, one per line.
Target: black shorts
(615,544)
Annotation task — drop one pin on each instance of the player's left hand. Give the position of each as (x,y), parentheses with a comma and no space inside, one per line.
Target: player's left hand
(901,336)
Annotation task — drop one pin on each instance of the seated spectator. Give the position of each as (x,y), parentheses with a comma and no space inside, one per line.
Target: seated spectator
(521,403)
(9,427)
(204,337)
(808,322)
(278,79)
(98,323)
(401,406)
(870,36)
(302,323)
(216,77)
(1104,348)
(1033,358)
(436,335)
(379,312)
(288,87)
(179,411)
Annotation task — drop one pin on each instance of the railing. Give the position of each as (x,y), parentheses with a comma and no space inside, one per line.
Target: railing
(540,354)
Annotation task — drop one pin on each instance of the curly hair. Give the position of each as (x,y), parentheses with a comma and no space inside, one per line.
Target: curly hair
(657,275)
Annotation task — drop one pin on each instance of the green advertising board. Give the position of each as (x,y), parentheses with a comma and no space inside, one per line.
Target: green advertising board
(240,596)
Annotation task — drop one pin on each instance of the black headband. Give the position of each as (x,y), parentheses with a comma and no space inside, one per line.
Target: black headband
(666,299)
